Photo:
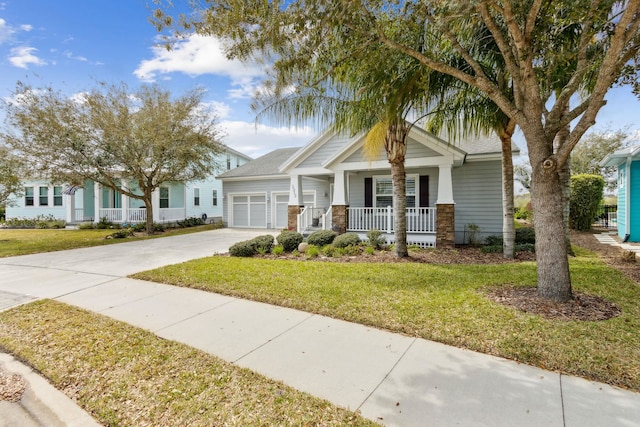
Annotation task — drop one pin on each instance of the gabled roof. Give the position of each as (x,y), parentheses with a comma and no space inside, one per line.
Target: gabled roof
(620,156)
(266,165)
(236,152)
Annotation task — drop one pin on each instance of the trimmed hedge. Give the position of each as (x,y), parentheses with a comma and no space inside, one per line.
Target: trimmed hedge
(346,239)
(248,248)
(289,240)
(321,238)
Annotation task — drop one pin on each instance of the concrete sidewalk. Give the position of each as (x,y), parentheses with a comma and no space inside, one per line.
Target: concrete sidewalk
(391,378)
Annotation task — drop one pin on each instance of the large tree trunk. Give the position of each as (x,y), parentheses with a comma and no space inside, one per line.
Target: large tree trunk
(508,226)
(399,179)
(149,208)
(565,179)
(554,280)
(396,148)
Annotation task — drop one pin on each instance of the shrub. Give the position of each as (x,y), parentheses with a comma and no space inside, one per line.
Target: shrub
(263,244)
(375,238)
(104,223)
(331,251)
(474,229)
(346,239)
(190,222)
(494,241)
(289,240)
(312,251)
(86,226)
(243,249)
(369,250)
(524,213)
(353,250)
(277,250)
(139,227)
(525,235)
(525,247)
(491,249)
(321,238)
(120,234)
(585,198)
(158,227)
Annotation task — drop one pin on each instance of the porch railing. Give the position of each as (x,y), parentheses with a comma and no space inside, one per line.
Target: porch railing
(419,220)
(78,214)
(111,214)
(311,217)
(326,219)
(136,215)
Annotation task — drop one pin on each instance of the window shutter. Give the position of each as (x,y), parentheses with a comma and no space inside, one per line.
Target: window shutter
(368,192)
(424,191)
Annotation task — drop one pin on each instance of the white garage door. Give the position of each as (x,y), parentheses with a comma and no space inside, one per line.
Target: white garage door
(249,210)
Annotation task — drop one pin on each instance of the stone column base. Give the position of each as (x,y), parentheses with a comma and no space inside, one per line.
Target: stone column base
(292,217)
(339,218)
(445,226)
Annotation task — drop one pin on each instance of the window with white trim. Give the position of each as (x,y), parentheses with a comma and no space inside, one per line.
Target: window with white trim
(196,197)
(43,199)
(57,196)
(164,197)
(383,191)
(28,196)
(215,198)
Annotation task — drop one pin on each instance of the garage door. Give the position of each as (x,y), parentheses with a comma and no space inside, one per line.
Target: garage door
(249,211)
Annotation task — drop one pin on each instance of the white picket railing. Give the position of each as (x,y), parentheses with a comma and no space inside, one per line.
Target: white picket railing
(111,214)
(326,219)
(78,214)
(136,215)
(304,219)
(419,220)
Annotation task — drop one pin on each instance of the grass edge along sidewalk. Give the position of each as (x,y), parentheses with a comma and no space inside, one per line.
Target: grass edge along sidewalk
(124,375)
(443,303)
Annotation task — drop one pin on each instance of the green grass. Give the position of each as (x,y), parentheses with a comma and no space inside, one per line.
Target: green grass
(30,241)
(444,303)
(126,376)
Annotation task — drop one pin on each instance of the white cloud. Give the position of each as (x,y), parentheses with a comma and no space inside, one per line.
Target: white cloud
(5,31)
(258,140)
(199,55)
(26,27)
(76,57)
(22,56)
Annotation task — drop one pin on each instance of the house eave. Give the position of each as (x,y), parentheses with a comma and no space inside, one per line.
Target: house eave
(306,151)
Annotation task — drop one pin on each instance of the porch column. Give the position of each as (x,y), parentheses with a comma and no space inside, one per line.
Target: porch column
(155,203)
(97,201)
(445,209)
(124,202)
(295,202)
(70,202)
(339,204)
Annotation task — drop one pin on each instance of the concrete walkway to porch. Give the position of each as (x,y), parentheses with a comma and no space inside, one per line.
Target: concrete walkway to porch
(391,378)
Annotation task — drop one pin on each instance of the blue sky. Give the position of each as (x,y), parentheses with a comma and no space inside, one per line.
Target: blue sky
(73,44)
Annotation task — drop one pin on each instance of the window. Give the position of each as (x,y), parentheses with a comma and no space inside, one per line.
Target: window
(43,200)
(215,198)
(383,195)
(228,162)
(57,196)
(196,197)
(164,197)
(28,196)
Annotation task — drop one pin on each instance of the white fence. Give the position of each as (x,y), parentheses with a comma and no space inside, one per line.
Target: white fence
(419,220)
(139,215)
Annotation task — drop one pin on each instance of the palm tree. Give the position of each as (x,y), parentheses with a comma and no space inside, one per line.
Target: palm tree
(375,93)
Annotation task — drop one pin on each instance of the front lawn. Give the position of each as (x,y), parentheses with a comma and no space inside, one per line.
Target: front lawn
(126,376)
(30,241)
(444,303)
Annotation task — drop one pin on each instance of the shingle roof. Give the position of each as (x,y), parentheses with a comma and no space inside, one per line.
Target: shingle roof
(269,164)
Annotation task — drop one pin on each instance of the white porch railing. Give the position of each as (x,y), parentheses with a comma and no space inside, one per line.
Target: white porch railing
(111,214)
(172,214)
(78,214)
(311,218)
(419,220)
(136,215)
(326,219)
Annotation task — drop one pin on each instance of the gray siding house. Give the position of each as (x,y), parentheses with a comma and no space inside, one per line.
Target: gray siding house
(329,184)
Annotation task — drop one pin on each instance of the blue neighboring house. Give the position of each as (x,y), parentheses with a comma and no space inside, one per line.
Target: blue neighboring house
(91,202)
(627,162)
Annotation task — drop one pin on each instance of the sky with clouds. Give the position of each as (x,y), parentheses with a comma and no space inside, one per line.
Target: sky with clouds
(73,44)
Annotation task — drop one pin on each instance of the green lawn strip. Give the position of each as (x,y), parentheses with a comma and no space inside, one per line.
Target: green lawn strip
(127,376)
(30,241)
(443,303)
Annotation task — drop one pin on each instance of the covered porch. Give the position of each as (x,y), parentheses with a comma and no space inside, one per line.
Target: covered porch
(93,202)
